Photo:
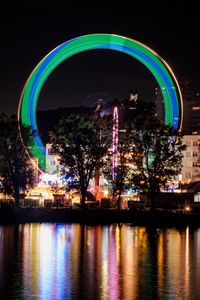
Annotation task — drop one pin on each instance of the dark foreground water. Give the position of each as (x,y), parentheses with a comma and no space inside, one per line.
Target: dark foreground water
(59,261)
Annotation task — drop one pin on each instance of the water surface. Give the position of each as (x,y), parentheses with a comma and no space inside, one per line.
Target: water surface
(59,261)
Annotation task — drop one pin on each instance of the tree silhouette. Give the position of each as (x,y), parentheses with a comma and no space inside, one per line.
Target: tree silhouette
(16,169)
(81,142)
(156,152)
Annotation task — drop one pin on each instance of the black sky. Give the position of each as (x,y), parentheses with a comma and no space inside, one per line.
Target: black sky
(30,29)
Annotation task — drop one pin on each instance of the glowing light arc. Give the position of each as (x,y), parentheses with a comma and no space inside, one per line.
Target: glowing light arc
(153,62)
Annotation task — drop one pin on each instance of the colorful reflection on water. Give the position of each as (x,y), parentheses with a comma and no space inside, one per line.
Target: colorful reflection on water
(59,261)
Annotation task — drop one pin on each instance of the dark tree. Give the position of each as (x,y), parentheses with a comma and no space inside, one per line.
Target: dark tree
(16,169)
(156,153)
(82,142)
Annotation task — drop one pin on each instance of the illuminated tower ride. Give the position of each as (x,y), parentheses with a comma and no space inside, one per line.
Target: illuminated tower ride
(115,140)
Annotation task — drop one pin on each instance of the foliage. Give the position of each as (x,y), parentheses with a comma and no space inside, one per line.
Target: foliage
(16,168)
(156,153)
(58,188)
(81,142)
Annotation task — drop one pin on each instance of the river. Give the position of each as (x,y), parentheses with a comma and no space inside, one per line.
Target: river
(119,261)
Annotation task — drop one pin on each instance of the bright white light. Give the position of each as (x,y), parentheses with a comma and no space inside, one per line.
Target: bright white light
(50,177)
(129,192)
(105,181)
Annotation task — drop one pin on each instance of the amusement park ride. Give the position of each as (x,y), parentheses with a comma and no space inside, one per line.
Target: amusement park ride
(161,71)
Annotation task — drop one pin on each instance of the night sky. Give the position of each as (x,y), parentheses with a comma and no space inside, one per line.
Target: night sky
(30,30)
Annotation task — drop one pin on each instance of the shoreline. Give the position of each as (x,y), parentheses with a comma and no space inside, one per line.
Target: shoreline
(96,216)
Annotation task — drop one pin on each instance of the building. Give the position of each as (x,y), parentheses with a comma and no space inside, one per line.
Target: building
(191,106)
(191,128)
(159,103)
(52,164)
(191,171)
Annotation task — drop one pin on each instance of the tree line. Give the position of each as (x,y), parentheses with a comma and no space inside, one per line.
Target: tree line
(149,154)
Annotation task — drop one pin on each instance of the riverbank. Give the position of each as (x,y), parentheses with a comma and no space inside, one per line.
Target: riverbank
(96,216)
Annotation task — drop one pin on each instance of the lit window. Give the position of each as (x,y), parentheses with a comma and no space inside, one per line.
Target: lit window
(196,198)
